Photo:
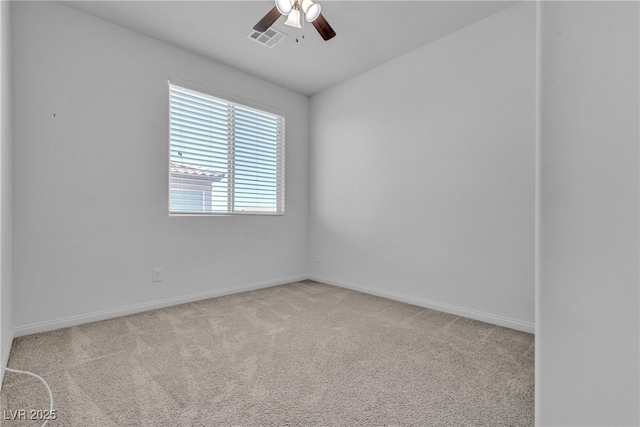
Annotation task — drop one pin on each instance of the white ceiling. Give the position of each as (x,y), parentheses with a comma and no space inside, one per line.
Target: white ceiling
(369,33)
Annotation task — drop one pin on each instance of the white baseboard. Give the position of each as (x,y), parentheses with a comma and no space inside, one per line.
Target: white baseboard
(138,308)
(447,308)
(6,351)
(153,305)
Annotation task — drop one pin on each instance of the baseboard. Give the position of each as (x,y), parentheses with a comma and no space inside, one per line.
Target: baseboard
(153,305)
(6,352)
(447,308)
(138,308)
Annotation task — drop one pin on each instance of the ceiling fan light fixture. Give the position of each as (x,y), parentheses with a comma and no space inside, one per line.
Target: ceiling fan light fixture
(311,10)
(283,6)
(293,20)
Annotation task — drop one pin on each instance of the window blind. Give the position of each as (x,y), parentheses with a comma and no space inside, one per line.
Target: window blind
(225,158)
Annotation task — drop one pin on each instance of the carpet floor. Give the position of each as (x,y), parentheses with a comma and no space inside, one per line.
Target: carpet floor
(301,354)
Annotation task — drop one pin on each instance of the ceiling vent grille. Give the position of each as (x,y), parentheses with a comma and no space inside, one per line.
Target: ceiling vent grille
(269,38)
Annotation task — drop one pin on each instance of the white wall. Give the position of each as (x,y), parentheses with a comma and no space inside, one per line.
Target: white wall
(588,329)
(422,185)
(6,309)
(90,177)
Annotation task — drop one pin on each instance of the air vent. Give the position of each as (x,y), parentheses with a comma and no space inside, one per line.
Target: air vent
(269,38)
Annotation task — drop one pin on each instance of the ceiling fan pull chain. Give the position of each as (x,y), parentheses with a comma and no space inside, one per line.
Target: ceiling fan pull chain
(301,30)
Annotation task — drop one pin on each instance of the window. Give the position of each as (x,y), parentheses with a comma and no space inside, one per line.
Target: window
(225,158)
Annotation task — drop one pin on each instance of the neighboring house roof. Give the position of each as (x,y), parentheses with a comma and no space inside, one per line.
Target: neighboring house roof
(195,172)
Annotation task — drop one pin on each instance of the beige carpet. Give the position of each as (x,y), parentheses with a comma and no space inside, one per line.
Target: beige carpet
(298,354)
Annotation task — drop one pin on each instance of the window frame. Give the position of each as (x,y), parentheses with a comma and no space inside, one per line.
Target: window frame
(244,104)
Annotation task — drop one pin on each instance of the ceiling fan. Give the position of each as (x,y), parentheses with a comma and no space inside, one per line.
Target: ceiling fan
(292,8)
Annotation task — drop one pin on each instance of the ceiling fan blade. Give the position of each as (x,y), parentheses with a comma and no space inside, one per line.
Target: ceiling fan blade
(268,20)
(324,28)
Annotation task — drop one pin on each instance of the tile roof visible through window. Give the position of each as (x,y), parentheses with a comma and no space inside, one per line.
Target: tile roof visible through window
(195,171)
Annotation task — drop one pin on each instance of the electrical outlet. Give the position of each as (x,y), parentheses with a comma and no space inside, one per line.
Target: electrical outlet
(317,256)
(157,275)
